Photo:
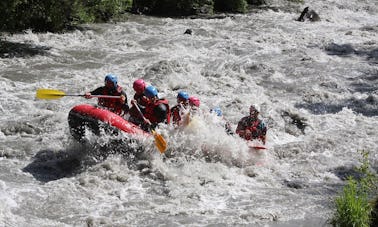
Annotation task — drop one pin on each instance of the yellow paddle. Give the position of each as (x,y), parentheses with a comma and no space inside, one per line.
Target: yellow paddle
(43,93)
(160,142)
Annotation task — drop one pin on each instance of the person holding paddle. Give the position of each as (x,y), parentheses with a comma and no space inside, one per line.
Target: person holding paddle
(119,105)
(178,111)
(251,127)
(156,111)
(139,102)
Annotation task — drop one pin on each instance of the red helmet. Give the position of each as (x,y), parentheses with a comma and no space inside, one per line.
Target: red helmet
(194,101)
(139,85)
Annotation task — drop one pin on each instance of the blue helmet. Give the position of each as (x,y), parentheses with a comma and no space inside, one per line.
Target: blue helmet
(183,95)
(218,111)
(150,91)
(112,78)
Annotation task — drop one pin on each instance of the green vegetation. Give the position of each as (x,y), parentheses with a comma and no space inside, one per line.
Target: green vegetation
(58,15)
(188,7)
(237,6)
(352,206)
(172,7)
(93,11)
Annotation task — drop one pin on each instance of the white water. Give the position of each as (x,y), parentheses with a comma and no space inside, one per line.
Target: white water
(323,73)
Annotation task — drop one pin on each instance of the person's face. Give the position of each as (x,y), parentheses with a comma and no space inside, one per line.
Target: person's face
(182,101)
(253,113)
(109,84)
(152,99)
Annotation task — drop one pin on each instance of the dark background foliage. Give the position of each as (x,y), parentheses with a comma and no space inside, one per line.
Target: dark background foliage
(59,15)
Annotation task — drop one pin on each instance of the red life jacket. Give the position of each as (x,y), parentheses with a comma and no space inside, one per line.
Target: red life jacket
(141,99)
(150,115)
(175,114)
(114,105)
(252,125)
(254,130)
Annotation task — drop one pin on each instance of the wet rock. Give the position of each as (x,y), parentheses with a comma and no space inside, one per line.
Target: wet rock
(292,119)
(294,184)
(250,172)
(145,171)
(13,128)
(343,172)
(308,14)
(371,99)
(188,31)
(11,50)
(142,164)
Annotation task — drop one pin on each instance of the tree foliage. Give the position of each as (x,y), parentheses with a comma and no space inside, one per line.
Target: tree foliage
(56,15)
(188,7)
(235,6)
(171,7)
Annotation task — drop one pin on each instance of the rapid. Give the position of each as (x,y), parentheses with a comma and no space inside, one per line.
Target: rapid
(315,83)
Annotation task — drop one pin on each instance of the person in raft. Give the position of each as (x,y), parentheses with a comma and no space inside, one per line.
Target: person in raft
(226,123)
(194,104)
(139,101)
(156,111)
(178,110)
(251,127)
(116,105)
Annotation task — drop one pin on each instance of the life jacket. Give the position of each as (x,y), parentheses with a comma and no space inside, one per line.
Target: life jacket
(257,128)
(142,101)
(114,105)
(175,114)
(150,112)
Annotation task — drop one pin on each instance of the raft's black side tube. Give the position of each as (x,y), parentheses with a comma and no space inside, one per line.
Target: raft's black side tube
(78,122)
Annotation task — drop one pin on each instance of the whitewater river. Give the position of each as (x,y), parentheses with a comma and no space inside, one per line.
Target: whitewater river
(316,84)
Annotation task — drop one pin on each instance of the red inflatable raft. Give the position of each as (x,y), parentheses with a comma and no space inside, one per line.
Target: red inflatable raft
(96,118)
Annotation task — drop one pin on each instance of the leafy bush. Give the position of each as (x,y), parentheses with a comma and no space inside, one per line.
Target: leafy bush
(352,206)
(90,11)
(257,2)
(40,15)
(235,6)
(56,15)
(171,7)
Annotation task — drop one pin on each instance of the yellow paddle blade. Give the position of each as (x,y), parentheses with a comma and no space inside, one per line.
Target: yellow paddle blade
(160,142)
(49,94)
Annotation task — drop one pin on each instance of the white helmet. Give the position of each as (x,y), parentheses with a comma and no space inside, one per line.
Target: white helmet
(254,109)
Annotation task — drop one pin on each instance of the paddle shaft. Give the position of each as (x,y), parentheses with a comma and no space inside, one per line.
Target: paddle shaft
(95,96)
(160,142)
(56,94)
(106,96)
(141,114)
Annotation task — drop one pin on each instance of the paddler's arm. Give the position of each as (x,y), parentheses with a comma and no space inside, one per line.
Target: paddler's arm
(123,101)
(97,91)
(242,131)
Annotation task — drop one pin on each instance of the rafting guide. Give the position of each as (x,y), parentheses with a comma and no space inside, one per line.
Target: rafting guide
(251,127)
(111,87)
